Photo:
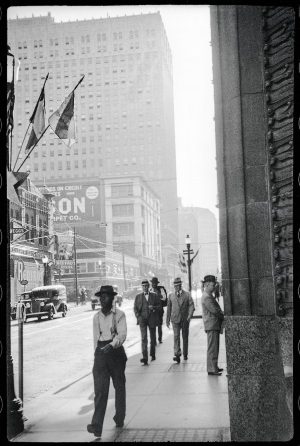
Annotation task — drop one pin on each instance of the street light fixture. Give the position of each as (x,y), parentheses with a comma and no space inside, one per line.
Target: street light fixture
(189,251)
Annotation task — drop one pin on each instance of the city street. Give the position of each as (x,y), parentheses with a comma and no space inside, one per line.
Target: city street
(59,352)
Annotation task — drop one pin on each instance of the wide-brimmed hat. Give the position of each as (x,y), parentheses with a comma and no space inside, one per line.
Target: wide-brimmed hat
(108,289)
(177,281)
(145,282)
(210,278)
(155,280)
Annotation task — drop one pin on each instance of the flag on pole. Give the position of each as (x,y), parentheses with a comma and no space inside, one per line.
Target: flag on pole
(38,122)
(182,263)
(62,121)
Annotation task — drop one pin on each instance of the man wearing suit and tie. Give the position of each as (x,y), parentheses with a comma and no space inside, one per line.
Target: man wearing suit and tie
(147,308)
(213,317)
(180,310)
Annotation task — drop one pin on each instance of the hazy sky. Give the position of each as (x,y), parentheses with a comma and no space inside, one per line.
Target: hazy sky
(188,31)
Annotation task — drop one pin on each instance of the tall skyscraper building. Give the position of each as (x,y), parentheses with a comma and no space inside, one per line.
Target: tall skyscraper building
(123,108)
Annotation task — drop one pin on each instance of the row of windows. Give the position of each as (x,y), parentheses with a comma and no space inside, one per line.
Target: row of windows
(87,39)
(98,60)
(67,165)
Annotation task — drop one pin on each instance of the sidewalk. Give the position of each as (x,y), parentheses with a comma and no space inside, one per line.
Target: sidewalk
(166,401)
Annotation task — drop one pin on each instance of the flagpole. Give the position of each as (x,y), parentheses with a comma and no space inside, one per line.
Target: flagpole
(33,148)
(31,119)
(78,83)
(21,145)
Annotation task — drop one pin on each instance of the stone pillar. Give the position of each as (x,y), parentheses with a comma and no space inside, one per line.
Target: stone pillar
(256,382)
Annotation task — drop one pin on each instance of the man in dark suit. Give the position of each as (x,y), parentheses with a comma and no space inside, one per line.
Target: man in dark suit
(162,293)
(180,310)
(146,309)
(213,317)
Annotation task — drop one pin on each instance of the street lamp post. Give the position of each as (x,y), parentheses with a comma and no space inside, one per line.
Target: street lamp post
(189,251)
(45,261)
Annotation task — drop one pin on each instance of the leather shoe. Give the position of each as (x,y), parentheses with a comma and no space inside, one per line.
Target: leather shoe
(220,370)
(118,423)
(176,358)
(160,341)
(153,358)
(144,361)
(215,373)
(93,430)
(185,357)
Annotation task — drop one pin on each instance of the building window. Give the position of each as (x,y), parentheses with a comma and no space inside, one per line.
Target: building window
(120,229)
(122,210)
(91,267)
(122,190)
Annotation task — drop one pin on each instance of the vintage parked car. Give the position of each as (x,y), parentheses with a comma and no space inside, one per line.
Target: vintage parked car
(42,301)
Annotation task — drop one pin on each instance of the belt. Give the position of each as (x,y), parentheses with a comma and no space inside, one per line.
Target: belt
(103,343)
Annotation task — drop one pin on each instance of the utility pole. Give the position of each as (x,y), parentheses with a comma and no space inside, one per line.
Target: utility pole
(75,264)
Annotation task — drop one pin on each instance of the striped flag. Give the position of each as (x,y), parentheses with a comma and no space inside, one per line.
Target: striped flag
(62,121)
(38,122)
(182,263)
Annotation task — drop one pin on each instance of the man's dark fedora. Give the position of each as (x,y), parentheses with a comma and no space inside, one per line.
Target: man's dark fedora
(155,280)
(108,289)
(210,278)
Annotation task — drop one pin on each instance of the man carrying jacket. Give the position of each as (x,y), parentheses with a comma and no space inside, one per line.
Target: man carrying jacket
(162,293)
(146,309)
(213,317)
(180,310)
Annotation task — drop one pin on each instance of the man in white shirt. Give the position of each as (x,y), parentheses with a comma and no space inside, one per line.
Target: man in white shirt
(109,333)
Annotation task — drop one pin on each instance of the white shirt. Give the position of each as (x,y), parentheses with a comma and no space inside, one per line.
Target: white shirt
(146,296)
(103,327)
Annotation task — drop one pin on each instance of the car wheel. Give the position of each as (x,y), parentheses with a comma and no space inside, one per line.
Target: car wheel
(93,306)
(51,314)
(64,312)
(39,318)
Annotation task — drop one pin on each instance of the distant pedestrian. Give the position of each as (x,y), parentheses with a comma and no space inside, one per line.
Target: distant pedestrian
(146,309)
(82,295)
(212,319)
(109,332)
(162,293)
(180,310)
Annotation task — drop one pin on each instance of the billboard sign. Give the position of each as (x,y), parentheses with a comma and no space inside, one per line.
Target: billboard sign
(76,202)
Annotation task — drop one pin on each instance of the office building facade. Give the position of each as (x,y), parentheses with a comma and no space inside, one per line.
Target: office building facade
(123,107)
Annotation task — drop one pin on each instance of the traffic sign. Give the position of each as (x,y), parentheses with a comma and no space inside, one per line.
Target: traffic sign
(18,230)
(24,282)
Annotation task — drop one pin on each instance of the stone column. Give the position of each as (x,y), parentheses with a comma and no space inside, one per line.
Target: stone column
(256,383)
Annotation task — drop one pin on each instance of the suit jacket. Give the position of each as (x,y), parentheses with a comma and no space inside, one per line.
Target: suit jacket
(180,309)
(142,312)
(212,314)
